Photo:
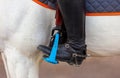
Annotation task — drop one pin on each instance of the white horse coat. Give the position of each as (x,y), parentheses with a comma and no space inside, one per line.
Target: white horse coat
(24,25)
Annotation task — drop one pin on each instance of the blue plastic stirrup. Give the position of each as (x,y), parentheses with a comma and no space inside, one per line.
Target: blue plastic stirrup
(52,57)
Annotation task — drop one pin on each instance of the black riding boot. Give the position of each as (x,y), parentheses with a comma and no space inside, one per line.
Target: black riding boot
(74,50)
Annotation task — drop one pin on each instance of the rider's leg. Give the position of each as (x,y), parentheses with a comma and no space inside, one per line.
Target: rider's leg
(73,13)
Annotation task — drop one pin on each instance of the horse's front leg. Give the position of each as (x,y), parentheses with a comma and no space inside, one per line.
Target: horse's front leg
(20,56)
(18,65)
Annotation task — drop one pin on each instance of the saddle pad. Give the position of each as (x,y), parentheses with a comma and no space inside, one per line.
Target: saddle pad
(51,4)
(102,6)
(92,6)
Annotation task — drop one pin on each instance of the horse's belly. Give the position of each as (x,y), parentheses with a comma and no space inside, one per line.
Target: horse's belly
(103,35)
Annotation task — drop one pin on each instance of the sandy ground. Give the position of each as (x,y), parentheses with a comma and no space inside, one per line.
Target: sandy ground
(2,70)
(95,67)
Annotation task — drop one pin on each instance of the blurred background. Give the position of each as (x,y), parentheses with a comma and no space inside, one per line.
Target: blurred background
(92,67)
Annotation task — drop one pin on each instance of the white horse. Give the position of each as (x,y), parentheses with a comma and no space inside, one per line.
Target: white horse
(24,25)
